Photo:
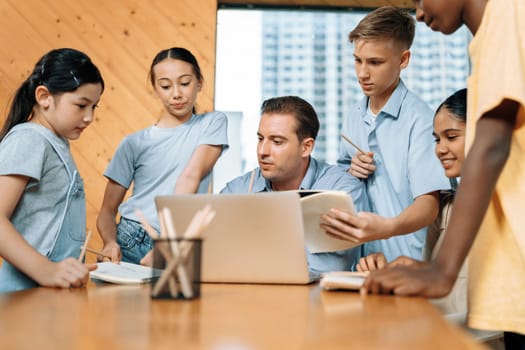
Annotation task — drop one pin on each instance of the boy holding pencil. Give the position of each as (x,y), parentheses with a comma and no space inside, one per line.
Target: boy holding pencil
(386,142)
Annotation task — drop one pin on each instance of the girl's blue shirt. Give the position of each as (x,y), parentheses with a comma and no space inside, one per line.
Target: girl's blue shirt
(51,213)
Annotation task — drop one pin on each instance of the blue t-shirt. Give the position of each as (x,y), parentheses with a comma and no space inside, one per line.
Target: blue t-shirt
(401,139)
(319,176)
(154,158)
(50,214)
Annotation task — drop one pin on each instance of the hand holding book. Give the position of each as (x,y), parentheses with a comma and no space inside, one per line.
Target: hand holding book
(314,203)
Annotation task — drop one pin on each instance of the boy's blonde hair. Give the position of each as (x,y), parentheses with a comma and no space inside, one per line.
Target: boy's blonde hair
(386,22)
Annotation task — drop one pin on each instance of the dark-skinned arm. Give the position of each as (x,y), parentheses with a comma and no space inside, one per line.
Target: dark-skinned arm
(479,175)
(480,172)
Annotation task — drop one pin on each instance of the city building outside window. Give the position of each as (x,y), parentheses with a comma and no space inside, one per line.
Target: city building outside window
(268,53)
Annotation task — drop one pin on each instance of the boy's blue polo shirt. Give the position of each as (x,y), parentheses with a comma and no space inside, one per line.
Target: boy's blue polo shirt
(403,146)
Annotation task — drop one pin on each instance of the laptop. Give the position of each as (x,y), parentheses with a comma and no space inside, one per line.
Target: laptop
(253,238)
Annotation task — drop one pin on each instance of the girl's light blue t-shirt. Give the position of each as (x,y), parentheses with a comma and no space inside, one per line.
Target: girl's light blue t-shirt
(32,150)
(152,159)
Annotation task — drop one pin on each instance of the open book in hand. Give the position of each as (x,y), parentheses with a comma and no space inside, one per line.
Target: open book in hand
(336,280)
(314,203)
(124,273)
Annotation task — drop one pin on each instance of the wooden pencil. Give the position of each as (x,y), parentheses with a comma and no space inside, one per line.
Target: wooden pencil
(83,250)
(147,227)
(353,144)
(98,252)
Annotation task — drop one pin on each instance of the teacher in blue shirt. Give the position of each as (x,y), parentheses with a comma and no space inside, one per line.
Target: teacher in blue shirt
(286,133)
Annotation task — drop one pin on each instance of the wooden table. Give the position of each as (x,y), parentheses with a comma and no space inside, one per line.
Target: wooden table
(232,316)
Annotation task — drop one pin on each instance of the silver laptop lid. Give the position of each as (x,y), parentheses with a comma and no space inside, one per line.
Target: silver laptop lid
(254,238)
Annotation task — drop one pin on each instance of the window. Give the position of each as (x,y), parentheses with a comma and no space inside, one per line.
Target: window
(253,46)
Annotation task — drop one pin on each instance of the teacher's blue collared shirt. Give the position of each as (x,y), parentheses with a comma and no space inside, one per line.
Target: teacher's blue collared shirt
(403,146)
(319,176)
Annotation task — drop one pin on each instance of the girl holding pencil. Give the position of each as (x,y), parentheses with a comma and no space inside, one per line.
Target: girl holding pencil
(42,211)
(175,155)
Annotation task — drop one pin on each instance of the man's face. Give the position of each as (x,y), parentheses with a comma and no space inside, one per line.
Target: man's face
(443,16)
(280,154)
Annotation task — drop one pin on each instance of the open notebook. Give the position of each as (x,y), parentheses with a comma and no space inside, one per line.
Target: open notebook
(254,238)
(124,273)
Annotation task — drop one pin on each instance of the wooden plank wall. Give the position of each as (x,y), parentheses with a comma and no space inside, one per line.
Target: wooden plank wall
(121,36)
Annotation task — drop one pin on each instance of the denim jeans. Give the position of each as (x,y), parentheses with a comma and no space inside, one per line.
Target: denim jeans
(133,240)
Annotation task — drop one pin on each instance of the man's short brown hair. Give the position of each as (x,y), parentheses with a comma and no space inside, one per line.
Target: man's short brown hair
(301,110)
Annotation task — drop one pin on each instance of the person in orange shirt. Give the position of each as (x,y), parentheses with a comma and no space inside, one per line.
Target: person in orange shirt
(487,214)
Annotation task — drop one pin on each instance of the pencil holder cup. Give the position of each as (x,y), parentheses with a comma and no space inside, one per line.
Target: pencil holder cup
(180,260)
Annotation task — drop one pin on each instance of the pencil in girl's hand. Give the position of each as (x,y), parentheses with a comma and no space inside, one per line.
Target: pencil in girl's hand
(98,252)
(84,247)
(353,144)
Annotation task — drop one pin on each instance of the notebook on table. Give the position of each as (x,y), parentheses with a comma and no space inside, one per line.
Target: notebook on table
(124,273)
(254,238)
